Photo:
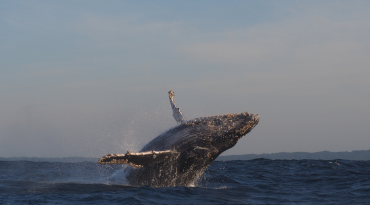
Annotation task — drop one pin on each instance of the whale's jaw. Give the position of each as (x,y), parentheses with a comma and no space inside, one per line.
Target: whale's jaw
(221,132)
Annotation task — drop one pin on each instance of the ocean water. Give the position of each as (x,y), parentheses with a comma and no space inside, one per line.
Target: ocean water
(259,181)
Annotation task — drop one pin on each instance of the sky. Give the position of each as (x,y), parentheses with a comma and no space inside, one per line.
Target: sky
(88,78)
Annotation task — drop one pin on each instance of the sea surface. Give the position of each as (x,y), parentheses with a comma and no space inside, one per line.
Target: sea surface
(258,181)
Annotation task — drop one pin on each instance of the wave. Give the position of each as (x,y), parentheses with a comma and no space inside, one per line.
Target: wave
(258,181)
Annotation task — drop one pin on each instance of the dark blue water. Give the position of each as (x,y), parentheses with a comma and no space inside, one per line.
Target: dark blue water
(259,181)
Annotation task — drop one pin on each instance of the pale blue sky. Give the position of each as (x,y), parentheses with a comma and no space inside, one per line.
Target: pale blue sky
(87,78)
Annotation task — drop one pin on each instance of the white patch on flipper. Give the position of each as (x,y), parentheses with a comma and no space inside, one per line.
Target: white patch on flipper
(177,114)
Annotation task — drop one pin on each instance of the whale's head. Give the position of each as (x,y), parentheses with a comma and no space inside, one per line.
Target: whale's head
(221,132)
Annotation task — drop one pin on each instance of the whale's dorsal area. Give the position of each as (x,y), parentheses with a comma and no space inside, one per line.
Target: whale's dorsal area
(180,155)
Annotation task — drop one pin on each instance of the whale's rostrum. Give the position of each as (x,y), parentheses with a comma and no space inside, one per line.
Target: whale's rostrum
(180,155)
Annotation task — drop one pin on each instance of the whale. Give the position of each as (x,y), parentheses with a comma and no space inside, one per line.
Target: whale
(179,156)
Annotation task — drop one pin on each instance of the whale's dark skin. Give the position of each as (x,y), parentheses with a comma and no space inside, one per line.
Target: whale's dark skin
(180,155)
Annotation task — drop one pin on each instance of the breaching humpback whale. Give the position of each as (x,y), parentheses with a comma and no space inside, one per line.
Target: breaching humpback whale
(180,155)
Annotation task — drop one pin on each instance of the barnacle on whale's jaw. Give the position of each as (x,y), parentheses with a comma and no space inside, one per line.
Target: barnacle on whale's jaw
(247,123)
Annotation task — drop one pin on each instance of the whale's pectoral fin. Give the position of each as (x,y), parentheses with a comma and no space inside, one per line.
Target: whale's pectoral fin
(140,159)
(177,114)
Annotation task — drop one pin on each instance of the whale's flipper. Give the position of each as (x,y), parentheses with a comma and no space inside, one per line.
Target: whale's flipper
(140,159)
(177,114)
